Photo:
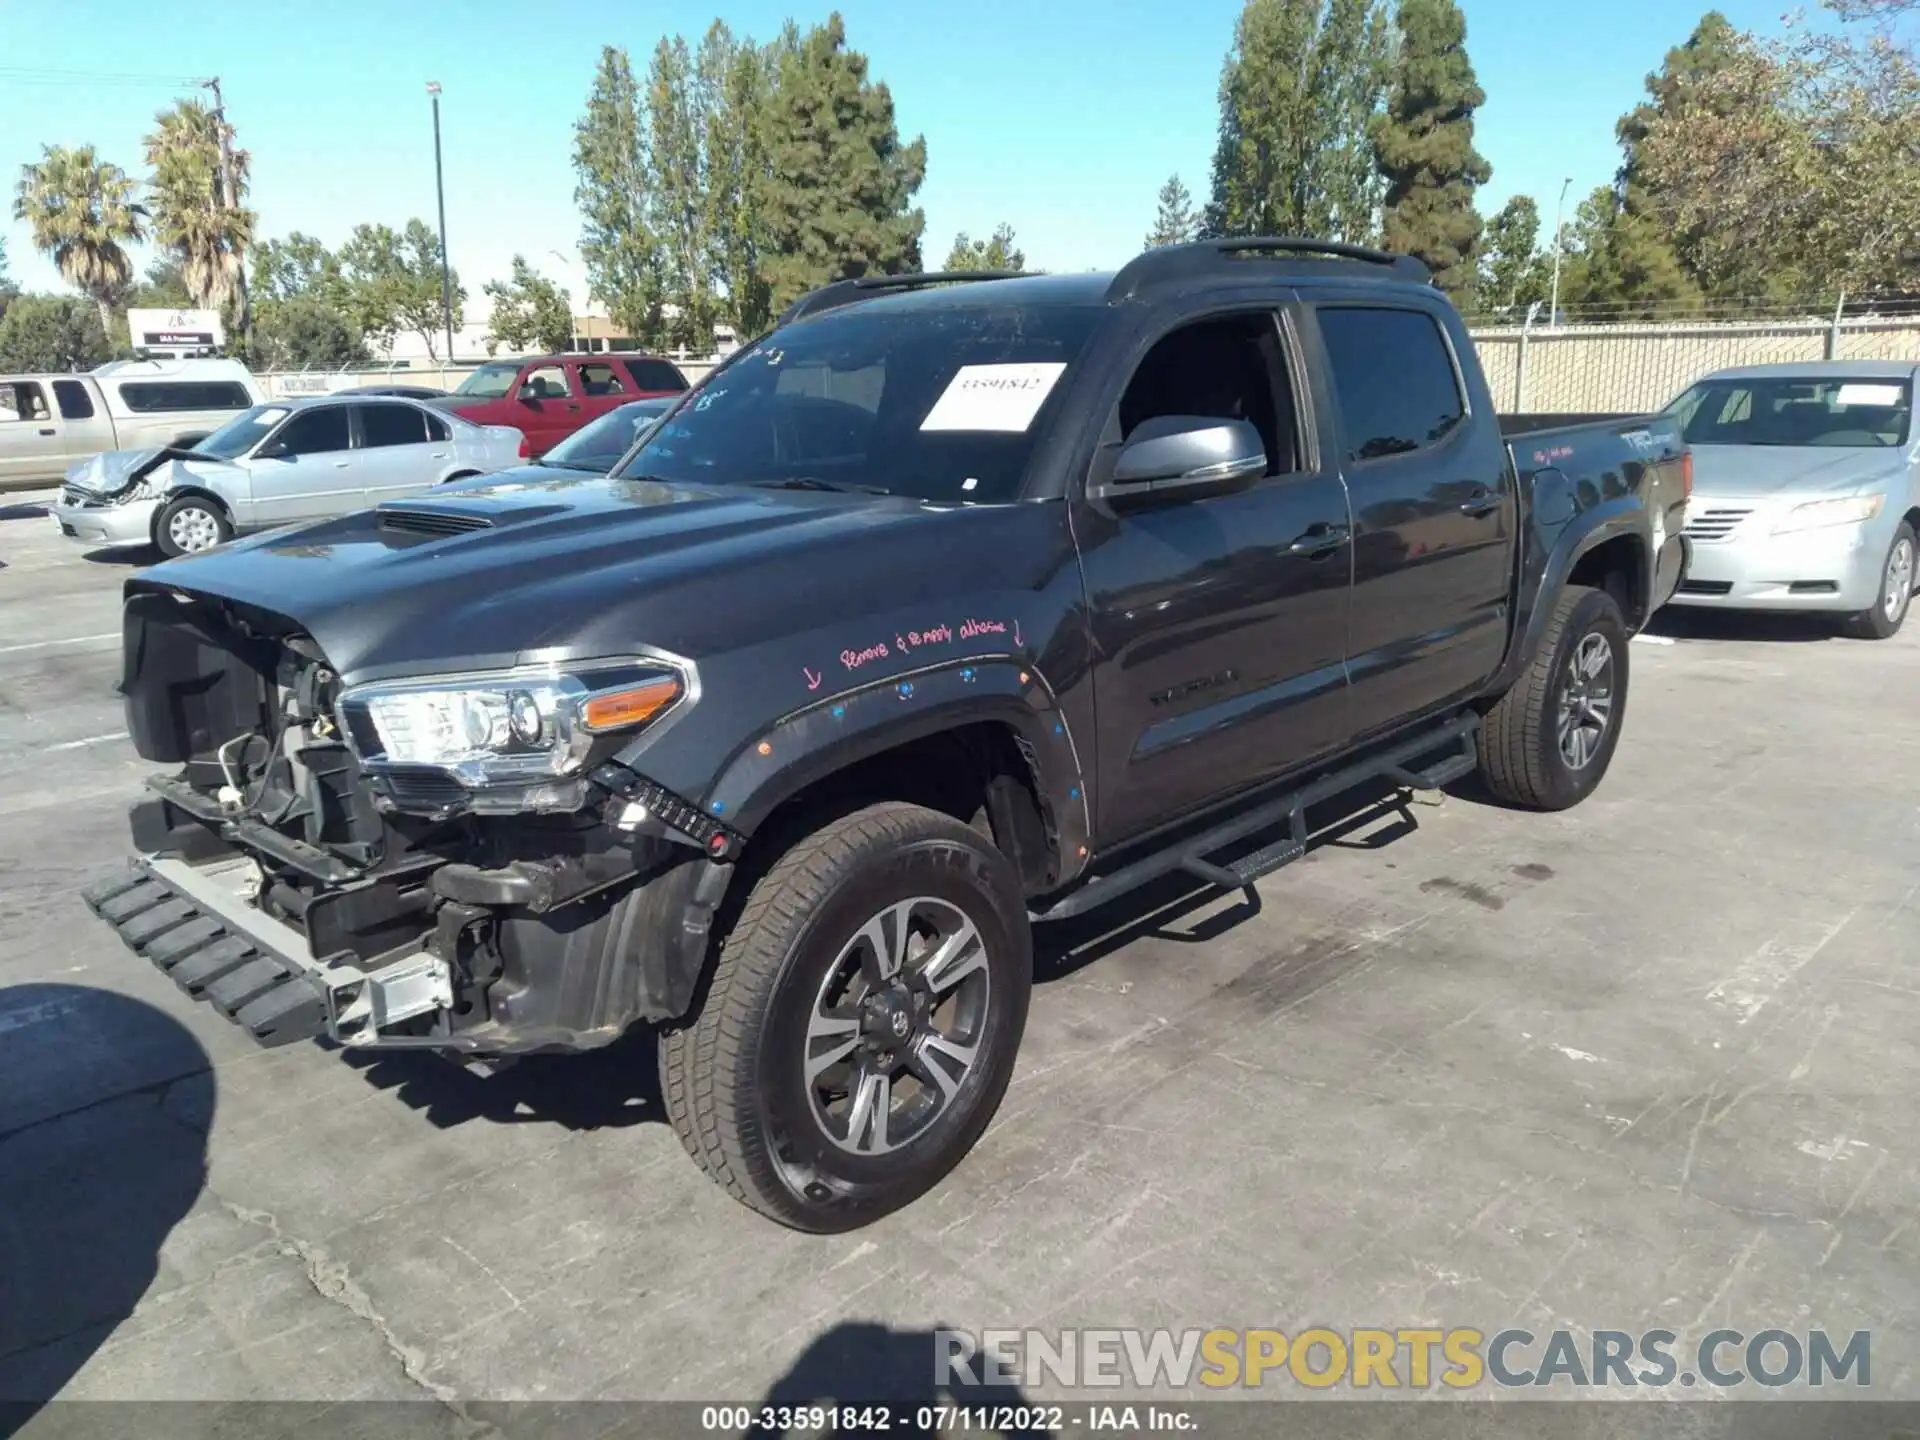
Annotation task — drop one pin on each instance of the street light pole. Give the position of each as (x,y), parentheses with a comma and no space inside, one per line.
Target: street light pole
(1553,305)
(440,190)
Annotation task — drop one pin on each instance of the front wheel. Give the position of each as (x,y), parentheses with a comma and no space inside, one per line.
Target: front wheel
(1882,619)
(861,1023)
(189,525)
(1546,743)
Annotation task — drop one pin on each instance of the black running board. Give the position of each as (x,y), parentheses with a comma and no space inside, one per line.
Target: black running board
(1189,854)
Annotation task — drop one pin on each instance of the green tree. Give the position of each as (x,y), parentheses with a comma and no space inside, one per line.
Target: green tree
(191,219)
(678,106)
(1515,271)
(737,76)
(529,311)
(1425,145)
(835,194)
(56,333)
(8,290)
(298,266)
(392,283)
(162,287)
(1175,221)
(82,213)
(997,253)
(1298,92)
(304,332)
(1619,266)
(613,188)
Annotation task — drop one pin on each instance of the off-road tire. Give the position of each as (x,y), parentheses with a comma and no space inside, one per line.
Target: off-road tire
(1519,745)
(1873,623)
(743,1111)
(163,525)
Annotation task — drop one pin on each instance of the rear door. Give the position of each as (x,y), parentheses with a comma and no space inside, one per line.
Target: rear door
(313,471)
(547,406)
(1433,506)
(603,387)
(32,440)
(395,452)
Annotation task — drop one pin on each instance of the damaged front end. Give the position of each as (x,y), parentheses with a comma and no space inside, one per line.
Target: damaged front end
(455,862)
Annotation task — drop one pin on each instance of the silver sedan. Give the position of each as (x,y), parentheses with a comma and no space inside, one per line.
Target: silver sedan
(278,464)
(1806,491)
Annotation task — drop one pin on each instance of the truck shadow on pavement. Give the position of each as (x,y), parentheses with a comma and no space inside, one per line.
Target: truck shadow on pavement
(619,1085)
(105,1107)
(1685,622)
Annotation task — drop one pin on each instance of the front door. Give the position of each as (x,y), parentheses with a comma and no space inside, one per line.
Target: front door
(549,407)
(1219,624)
(32,447)
(313,470)
(1433,512)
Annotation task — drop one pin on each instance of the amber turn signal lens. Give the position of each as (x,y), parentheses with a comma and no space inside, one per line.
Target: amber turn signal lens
(623,709)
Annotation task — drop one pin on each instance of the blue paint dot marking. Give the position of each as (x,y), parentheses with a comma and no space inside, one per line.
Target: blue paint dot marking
(1074,793)
(1058,728)
(906,690)
(967,675)
(839,712)
(719,807)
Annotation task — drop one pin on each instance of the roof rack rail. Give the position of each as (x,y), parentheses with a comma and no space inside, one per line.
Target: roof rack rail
(1208,257)
(845,292)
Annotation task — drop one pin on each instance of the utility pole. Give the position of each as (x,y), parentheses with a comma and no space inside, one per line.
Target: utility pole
(1553,305)
(230,202)
(440,189)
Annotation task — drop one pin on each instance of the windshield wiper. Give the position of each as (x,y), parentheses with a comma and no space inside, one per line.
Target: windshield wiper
(569,465)
(814,482)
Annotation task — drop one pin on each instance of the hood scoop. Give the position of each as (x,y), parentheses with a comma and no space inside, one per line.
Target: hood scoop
(432,522)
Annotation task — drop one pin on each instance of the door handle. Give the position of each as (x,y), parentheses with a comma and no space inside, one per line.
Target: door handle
(574,406)
(1481,501)
(438,455)
(1320,540)
(342,464)
(49,431)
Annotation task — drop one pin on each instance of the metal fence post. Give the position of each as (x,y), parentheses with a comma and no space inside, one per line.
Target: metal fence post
(1833,330)
(1520,361)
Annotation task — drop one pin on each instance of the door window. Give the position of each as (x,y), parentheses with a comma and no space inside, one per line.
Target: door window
(548,382)
(1229,368)
(1394,378)
(74,402)
(656,375)
(601,379)
(383,425)
(315,432)
(437,428)
(23,400)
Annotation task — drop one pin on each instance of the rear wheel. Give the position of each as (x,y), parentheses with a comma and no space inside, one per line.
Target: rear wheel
(189,525)
(861,1023)
(1547,742)
(1882,619)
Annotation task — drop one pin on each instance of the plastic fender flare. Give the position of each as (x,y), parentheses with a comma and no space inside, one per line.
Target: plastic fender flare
(839,730)
(1625,515)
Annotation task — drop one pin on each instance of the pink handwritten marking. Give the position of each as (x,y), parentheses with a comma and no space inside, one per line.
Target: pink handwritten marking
(813,680)
(970,628)
(1016,634)
(854,659)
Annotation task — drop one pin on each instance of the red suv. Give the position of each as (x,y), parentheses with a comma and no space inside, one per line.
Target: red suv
(548,397)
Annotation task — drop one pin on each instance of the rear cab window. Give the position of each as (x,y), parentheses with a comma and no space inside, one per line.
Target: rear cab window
(156,397)
(1394,377)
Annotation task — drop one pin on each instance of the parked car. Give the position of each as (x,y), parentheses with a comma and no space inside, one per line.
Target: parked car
(938,611)
(548,397)
(592,450)
(274,465)
(47,422)
(1807,490)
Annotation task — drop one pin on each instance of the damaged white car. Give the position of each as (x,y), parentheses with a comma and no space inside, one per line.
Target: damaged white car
(272,465)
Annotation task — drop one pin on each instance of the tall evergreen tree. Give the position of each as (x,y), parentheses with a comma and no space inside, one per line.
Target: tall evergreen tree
(1175,222)
(677,109)
(1300,87)
(614,190)
(1000,252)
(1425,145)
(1514,270)
(1619,265)
(736,77)
(835,195)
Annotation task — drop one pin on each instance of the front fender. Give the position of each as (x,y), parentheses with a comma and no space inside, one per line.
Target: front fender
(832,733)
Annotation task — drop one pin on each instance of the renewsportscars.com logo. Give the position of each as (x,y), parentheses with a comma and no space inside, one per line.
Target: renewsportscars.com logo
(1415,1358)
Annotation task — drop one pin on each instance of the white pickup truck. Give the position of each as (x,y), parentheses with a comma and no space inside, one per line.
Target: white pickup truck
(47,422)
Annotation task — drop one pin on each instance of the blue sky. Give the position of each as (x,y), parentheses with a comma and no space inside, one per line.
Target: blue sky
(1062,119)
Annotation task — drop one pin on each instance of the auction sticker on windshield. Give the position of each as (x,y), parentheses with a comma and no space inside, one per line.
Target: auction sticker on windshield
(994,397)
(1868,395)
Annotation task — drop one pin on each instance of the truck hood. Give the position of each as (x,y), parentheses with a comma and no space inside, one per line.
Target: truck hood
(1756,471)
(540,566)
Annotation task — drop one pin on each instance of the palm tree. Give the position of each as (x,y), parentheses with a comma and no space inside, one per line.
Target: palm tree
(191,217)
(82,213)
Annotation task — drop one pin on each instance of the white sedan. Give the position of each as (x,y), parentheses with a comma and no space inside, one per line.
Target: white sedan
(279,464)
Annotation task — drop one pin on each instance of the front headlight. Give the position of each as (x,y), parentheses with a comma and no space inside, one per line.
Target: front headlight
(1816,514)
(508,727)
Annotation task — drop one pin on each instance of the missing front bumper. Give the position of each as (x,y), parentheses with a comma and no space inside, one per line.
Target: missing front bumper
(199,926)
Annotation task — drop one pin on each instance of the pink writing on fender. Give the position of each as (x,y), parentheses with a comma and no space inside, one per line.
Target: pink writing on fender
(971,628)
(854,659)
(813,680)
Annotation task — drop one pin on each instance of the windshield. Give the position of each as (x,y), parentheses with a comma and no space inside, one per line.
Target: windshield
(490,382)
(242,433)
(1818,414)
(941,402)
(599,446)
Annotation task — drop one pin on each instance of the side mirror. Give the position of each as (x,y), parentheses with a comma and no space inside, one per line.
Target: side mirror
(530,391)
(1183,457)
